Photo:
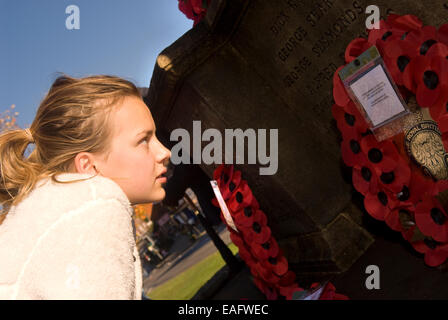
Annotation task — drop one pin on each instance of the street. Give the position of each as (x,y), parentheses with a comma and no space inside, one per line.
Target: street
(184,257)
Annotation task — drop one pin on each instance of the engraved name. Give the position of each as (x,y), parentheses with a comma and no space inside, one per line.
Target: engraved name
(329,36)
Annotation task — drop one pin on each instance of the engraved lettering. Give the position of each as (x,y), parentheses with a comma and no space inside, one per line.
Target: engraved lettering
(332,33)
(279,23)
(318,11)
(293,42)
(298,69)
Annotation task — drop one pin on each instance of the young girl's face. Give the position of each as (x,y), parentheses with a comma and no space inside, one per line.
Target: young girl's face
(137,158)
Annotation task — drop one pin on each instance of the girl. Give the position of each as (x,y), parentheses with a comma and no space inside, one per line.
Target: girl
(66,227)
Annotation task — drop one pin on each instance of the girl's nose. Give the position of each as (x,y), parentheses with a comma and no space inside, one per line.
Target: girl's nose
(165,153)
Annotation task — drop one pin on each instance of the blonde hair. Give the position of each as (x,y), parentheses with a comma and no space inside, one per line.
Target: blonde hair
(73,117)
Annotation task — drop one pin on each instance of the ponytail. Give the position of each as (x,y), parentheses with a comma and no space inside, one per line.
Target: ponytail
(17,174)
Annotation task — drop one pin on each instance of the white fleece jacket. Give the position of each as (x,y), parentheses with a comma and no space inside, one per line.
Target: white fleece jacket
(70,241)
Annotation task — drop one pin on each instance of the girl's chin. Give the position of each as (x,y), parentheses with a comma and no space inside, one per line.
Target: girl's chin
(160,195)
(155,197)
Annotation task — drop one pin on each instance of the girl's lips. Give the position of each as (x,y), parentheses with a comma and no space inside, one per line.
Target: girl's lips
(162,179)
(162,176)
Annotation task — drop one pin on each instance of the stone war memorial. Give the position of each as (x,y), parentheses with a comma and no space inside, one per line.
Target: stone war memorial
(269,65)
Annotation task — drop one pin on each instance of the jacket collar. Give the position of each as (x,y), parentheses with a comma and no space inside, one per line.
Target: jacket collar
(70,176)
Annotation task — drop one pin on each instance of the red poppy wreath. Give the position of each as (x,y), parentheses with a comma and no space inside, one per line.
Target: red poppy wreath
(397,187)
(257,246)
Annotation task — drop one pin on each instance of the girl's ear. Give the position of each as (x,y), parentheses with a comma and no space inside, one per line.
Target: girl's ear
(85,163)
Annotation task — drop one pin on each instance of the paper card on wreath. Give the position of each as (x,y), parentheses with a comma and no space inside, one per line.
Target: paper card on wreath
(223,206)
(375,94)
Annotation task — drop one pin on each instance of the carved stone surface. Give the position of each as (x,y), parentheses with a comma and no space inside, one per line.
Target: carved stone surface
(269,64)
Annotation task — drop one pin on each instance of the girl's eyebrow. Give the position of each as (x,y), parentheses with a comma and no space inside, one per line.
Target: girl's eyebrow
(145,131)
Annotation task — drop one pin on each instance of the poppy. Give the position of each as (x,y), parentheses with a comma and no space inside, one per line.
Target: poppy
(236,238)
(355,48)
(365,179)
(440,106)
(431,219)
(385,33)
(430,78)
(349,120)
(266,273)
(423,38)
(241,197)
(411,193)
(395,180)
(381,155)
(247,233)
(397,56)
(379,204)
(265,250)
(228,179)
(245,216)
(258,232)
(435,252)
(340,95)
(351,151)
(421,46)
(278,264)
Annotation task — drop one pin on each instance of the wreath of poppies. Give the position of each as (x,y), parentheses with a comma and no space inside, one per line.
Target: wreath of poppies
(257,246)
(395,189)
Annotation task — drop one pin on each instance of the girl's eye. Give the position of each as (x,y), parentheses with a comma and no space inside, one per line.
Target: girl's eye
(146,139)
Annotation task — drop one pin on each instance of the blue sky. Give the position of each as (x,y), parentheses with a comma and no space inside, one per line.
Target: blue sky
(116,37)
